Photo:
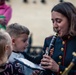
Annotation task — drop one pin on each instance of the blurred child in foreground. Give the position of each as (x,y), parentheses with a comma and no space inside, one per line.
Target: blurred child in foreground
(7,68)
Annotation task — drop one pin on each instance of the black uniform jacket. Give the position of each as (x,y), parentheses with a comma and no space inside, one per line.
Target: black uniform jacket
(63,49)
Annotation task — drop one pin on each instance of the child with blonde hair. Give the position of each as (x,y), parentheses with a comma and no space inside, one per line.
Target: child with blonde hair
(7,68)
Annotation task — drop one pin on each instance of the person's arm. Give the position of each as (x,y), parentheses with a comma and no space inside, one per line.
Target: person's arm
(35,60)
(2,21)
(8,14)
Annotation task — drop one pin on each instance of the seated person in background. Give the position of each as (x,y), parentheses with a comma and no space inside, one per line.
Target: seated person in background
(7,68)
(6,11)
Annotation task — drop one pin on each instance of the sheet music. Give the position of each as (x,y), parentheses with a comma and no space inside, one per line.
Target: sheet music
(29,63)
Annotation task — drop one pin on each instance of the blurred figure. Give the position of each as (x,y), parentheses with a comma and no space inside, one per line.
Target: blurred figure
(25,1)
(7,68)
(6,11)
(61,0)
(34,1)
(43,1)
(8,0)
(2,22)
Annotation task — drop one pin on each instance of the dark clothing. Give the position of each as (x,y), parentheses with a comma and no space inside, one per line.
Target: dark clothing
(11,69)
(35,60)
(63,49)
(61,0)
(43,1)
(25,1)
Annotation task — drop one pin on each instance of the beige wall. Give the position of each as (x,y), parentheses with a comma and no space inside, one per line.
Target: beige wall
(36,17)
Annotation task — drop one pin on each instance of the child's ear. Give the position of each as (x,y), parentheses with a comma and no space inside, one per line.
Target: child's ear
(7,47)
(13,41)
(7,51)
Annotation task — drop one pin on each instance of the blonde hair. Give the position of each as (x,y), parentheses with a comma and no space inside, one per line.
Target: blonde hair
(4,40)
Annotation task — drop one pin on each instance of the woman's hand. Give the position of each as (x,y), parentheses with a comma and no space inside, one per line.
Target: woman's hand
(51,51)
(48,63)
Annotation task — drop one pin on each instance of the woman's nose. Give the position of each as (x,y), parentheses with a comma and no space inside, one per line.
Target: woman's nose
(55,24)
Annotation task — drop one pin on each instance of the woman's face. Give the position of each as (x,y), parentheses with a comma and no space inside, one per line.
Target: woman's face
(60,22)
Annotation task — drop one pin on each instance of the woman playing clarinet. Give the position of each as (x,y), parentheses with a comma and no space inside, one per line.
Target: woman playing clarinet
(63,16)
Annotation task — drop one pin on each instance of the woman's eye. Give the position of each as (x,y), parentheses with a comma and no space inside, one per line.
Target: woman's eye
(24,40)
(58,20)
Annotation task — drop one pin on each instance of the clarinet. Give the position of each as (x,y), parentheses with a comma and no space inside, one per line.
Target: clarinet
(51,44)
(50,47)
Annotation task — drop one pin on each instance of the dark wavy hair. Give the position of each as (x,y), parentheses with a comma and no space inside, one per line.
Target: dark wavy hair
(68,10)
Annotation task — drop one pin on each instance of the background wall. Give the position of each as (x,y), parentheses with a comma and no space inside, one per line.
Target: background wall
(35,16)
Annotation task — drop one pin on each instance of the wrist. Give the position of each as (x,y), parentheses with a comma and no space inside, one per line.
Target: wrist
(58,69)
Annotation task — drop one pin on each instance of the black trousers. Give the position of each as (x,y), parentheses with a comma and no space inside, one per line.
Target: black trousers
(7,0)
(25,1)
(43,1)
(61,0)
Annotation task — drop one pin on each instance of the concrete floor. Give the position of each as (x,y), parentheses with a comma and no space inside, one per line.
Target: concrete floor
(35,16)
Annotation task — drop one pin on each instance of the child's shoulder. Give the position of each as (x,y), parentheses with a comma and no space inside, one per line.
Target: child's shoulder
(15,55)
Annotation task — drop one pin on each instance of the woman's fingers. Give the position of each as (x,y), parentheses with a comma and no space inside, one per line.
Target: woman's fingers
(51,51)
